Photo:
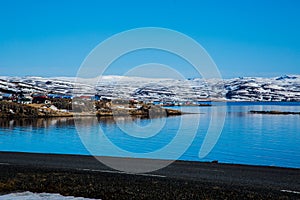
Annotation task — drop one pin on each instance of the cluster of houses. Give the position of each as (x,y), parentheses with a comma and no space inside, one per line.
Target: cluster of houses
(40,98)
(37,98)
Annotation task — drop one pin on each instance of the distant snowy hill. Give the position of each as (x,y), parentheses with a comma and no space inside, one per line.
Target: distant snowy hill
(284,88)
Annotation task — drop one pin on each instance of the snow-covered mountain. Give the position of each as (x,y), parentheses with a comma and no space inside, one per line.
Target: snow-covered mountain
(284,88)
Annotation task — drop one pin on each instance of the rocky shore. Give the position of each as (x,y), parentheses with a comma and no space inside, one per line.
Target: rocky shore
(274,112)
(16,110)
(144,111)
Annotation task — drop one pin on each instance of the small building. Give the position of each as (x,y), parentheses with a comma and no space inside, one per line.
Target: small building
(9,97)
(86,97)
(40,99)
(97,97)
(67,97)
(25,100)
(54,96)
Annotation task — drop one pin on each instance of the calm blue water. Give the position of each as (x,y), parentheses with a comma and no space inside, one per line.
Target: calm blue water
(272,140)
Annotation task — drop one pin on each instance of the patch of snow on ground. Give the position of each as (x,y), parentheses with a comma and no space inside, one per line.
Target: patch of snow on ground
(38,196)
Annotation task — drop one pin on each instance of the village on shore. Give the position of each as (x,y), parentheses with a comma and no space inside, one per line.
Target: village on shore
(117,95)
(55,105)
(42,97)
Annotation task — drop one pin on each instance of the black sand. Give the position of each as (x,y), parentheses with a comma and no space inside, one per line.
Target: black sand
(85,176)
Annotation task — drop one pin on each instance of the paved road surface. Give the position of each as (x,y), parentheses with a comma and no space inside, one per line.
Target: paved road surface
(283,180)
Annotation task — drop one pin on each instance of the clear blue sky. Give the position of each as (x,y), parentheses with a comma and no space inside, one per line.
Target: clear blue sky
(245,38)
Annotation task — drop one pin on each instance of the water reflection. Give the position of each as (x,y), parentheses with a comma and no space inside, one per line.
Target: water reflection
(62,122)
(36,123)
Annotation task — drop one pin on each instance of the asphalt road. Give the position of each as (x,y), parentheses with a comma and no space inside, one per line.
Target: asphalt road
(284,181)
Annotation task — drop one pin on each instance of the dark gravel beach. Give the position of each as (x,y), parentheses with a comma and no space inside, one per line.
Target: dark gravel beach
(84,176)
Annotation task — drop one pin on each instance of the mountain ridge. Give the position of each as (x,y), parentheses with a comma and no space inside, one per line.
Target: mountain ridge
(282,88)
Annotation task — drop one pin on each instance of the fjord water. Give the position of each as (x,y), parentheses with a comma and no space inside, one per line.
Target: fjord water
(272,140)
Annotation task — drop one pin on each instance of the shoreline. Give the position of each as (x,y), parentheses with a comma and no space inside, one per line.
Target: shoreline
(84,176)
(216,162)
(10,110)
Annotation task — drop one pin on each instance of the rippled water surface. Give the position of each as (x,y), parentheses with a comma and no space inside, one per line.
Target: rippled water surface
(245,138)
